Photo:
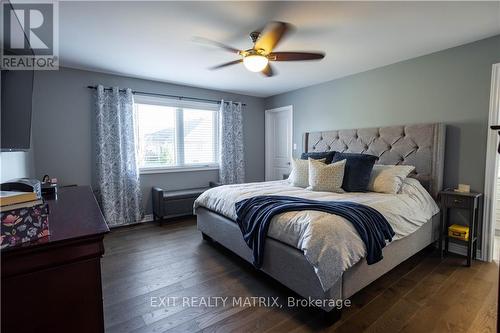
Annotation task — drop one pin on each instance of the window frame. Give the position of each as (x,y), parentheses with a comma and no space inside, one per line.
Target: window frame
(180,104)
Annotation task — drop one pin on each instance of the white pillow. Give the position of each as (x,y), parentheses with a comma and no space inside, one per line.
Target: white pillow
(388,178)
(326,177)
(300,172)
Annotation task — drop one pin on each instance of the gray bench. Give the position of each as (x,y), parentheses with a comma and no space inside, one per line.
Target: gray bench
(170,204)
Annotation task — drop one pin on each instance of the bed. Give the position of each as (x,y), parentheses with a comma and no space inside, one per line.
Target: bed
(288,261)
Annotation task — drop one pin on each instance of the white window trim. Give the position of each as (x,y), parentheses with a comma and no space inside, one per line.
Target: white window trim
(190,168)
(154,100)
(171,102)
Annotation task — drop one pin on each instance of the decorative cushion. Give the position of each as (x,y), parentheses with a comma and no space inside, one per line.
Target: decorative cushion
(327,155)
(388,178)
(358,169)
(326,177)
(300,173)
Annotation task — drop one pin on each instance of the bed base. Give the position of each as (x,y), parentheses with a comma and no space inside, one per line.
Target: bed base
(289,266)
(326,317)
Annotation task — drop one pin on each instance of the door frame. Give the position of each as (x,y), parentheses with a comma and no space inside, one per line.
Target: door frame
(287,108)
(491,171)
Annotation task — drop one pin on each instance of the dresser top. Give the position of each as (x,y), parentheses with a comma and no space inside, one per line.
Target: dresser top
(73,215)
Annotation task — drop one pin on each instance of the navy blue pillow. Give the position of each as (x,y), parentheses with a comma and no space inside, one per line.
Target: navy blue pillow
(358,168)
(327,155)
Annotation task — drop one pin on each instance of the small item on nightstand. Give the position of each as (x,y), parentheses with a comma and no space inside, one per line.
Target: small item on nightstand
(459,232)
(463,188)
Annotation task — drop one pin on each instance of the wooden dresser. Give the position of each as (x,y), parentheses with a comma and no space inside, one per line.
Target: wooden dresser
(54,284)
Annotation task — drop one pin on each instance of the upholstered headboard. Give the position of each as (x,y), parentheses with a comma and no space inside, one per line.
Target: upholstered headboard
(420,145)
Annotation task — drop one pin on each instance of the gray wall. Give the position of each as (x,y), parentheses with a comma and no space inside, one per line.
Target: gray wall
(451,86)
(63,129)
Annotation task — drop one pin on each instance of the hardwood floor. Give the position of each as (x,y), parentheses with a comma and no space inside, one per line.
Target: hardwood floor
(143,263)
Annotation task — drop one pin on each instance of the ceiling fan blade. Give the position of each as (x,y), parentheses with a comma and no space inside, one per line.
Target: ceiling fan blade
(268,71)
(295,56)
(203,40)
(271,35)
(234,62)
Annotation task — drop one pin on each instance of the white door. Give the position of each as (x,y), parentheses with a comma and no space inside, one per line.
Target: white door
(492,170)
(278,142)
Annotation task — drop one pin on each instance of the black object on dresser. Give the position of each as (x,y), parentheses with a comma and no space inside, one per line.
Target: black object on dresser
(473,203)
(54,284)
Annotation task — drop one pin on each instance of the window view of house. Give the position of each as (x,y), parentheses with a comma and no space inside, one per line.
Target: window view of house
(169,136)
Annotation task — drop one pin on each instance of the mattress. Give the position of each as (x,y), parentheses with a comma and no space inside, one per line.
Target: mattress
(329,243)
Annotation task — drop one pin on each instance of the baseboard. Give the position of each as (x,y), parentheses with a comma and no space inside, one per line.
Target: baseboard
(147,218)
(150,217)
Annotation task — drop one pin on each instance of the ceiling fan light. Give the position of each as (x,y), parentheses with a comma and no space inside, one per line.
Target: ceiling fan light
(255,63)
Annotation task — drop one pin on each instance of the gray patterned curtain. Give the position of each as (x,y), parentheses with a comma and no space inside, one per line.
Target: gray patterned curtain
(231,164)
(118,189)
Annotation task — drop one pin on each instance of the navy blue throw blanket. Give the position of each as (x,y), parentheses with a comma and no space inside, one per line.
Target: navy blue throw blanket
(255,214)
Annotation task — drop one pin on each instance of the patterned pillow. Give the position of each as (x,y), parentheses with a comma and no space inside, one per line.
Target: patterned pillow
(326,177)
(300,172)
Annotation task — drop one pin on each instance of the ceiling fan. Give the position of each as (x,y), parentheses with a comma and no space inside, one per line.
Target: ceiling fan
(258,58)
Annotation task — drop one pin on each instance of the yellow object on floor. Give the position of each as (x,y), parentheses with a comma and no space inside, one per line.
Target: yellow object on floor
(459,232)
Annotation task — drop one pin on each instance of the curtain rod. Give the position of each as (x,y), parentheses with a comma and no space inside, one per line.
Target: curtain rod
(194,99)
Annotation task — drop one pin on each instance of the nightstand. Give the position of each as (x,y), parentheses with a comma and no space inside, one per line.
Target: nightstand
(470,201)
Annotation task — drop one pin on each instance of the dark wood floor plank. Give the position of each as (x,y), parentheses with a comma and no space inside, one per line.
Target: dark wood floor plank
(197,269)
(127,325)
(486,319)
(423,294)
(206,319)
(428,318)
(296,320)
(201,261)
(372,311)
(235,323)
(162,321)
(400,312)
(363,297)
(460,316)
(141,305)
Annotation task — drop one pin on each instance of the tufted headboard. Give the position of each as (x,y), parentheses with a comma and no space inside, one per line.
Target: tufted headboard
(420,145)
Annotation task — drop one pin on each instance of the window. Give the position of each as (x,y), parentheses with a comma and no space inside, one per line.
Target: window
(175,134)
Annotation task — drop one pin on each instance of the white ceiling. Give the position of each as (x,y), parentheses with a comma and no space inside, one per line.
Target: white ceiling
(153,40)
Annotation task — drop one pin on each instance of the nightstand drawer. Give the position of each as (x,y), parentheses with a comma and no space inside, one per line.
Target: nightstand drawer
(457,201)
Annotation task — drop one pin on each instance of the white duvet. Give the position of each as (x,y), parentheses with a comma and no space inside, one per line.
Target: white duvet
(329,242)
